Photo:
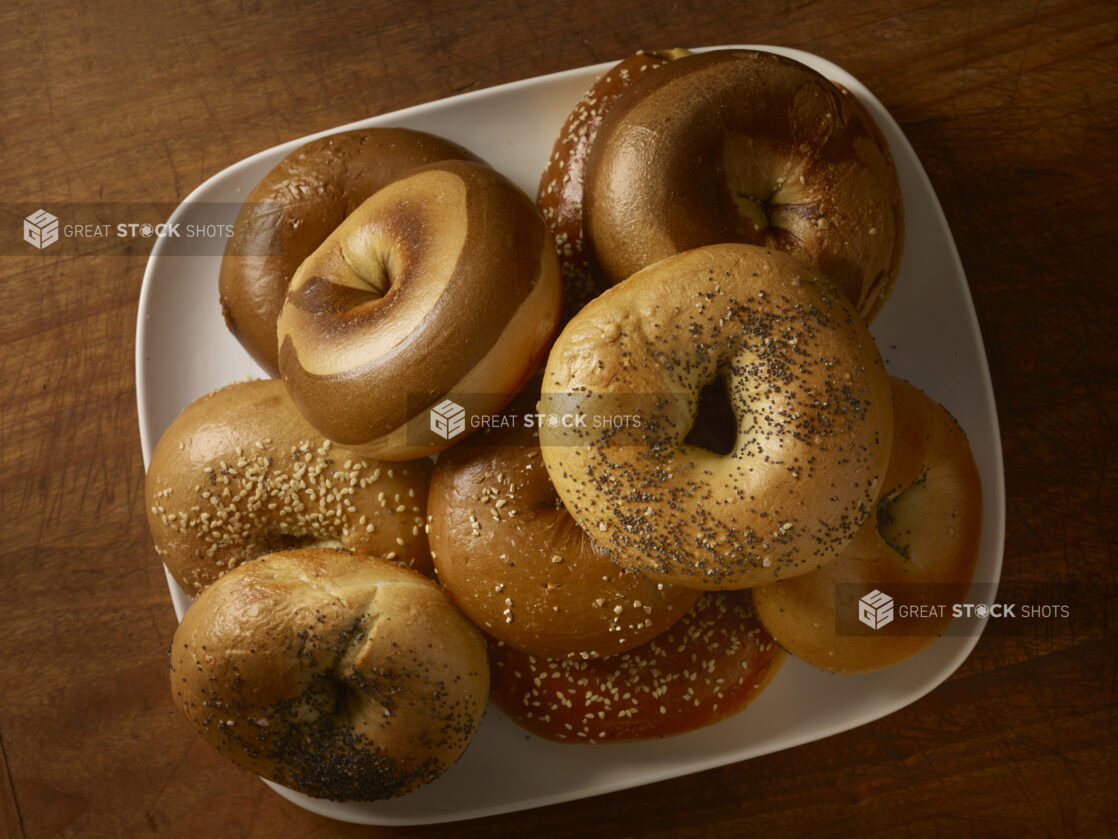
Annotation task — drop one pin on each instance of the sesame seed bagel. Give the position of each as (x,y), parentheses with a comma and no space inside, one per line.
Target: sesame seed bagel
(705,668)
(293,209)
(240,472)
(445,282)
(746,146)
(512,558)
(920,543)
(808,393)
(338,675)
(561,185)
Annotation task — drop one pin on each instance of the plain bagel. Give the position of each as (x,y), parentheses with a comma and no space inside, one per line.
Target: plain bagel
(746,146)
(810,398)
(338,675)
(293,209)
(442,284)
(240,473)
(920,543)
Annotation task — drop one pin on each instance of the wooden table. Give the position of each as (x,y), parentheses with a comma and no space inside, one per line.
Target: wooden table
(1013,109)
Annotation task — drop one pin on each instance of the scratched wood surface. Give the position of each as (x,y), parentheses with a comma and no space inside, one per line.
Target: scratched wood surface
(1011,106)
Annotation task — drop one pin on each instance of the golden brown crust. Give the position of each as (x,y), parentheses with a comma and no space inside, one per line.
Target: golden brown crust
(335,674)
(561,185)
(810,395)
(512,558)
(705,668)
(745,146)
(924,536)
(443,282)
(292,210)
(240,473)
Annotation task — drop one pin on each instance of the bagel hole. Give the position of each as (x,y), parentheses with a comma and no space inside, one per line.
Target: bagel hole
(272,542)
(748,170)
(896,513)
(382,280)
(375,264)
(320,696)
(331,686)
(753,211)
(328,699)
(714,427)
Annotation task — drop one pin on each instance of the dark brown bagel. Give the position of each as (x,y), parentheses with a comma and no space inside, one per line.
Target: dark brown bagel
(292,210)
(752,147)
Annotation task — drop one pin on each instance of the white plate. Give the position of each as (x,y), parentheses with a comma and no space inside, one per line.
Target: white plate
(927,332)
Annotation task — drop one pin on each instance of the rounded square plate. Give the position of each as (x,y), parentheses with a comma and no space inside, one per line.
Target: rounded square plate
(927,332)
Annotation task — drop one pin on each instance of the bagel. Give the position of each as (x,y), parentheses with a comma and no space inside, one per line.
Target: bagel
(512,558)
(239,473)
(809,394)
(922,540)
(338,675)
(705,668)
(559,196)
(292,210)
(752,147)
(444,282)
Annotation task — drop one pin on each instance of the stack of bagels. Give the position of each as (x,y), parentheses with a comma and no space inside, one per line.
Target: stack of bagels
(370,566)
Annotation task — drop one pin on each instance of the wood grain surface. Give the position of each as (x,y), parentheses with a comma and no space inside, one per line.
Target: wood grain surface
(1012,108)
